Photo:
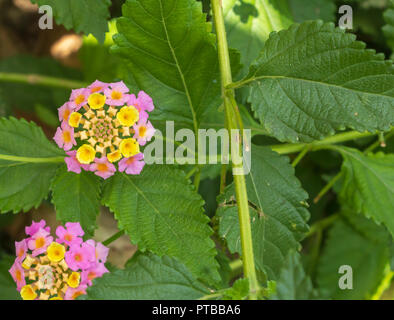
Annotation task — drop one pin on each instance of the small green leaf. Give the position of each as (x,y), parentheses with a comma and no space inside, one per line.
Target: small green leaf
(368,185)
(87,16)
(368,259)
(30,167)
(314,79)
(76,198)
(97,62)
(293,283)
(239,290)
(148,277)
(162,213)
(278,216)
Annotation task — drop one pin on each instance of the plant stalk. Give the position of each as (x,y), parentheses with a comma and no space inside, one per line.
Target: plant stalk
(31,160)
(36,79)
(114,237)
(233,123)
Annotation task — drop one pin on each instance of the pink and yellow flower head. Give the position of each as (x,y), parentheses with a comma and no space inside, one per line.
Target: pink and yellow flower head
(102,124)
(56,270)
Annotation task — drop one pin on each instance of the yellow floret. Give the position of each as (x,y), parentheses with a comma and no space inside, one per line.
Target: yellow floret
(86,154)
(96,100)
(114,156)
(75,119)
(128,116)
(28,293)
(129,147)
(56,252)
(56,298)
(73,280)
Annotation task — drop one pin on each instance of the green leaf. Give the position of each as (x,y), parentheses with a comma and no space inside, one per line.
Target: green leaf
(388,29)
(314,79)
(278,213)
(368,259)
(239,290)
(368,185)
(364,226)
(162,213)
(293,283)
(149,277)
(249,23)
(26,176)
(7,285)
(171,55)
(87,16)
(302,10)
(97,62)
(76,198)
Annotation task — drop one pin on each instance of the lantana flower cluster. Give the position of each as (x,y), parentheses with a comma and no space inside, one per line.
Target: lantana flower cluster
(45,269)
(102,125)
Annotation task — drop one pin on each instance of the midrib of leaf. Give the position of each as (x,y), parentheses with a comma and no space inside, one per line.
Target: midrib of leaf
(155,209)
(260,207)
(329,85)
(195,124)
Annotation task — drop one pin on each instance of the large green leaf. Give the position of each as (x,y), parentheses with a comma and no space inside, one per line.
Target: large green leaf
(161,212)
(25,180)
(171,55)
(368,259)
(87,16)
(7,285)
(148,277)
(77,198)
(278,213)
(368,185)
(293,283)
(249,23)
(314,79)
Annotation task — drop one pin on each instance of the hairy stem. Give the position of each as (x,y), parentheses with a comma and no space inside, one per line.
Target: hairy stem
(239,180)
(36,79)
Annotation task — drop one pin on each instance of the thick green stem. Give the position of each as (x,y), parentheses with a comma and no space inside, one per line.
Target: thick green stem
(36,79)
(233,123)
